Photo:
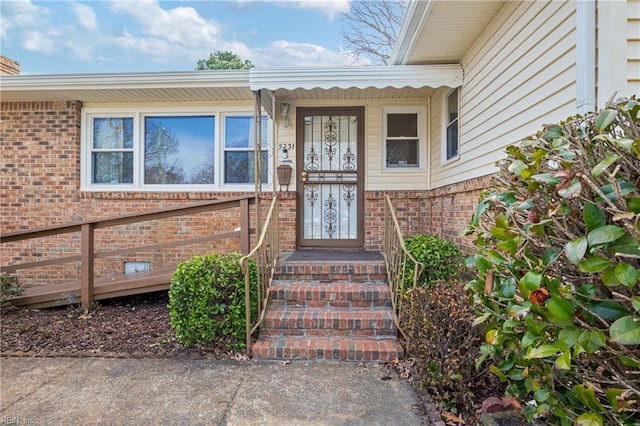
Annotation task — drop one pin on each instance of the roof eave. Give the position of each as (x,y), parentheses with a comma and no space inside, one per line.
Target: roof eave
(191,79)
(415,16)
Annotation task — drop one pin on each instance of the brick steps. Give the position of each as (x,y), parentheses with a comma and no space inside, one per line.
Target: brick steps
(340,294)
(338,311)
(328,322)
(328,348)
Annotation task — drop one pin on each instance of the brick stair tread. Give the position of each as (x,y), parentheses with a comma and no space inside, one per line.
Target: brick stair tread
(333,348)
(326,318)
(316,290)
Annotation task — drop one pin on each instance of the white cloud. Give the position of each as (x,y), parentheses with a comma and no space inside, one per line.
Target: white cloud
(36,41)
(18,15)
(181,25)
(86,16)
(144,31)
(282,53)
(330,8)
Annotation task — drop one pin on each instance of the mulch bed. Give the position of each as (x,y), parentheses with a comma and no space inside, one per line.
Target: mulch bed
(131,327)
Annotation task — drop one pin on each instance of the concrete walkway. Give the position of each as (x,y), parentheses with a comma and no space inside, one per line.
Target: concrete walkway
(98,391)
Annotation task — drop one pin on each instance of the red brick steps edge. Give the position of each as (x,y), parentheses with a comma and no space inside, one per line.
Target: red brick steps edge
(328,348)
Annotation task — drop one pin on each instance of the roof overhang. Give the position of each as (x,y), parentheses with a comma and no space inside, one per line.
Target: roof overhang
(398,77)
(387,82)
(441,31)
(192,86)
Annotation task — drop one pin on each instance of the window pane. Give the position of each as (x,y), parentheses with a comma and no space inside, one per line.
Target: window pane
(179,150)
(112,167)
(239,167)
(452,140)
(112,133)
(239,132)
(402,153)
(452,102)
(402,125)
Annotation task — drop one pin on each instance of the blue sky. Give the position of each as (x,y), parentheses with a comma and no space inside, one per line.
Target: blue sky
(106,36)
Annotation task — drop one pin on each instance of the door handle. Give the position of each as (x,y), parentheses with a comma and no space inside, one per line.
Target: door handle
(303,175)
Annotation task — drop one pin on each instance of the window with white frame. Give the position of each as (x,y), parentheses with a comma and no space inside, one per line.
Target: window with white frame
(112,150)
(159,150)
(239,151)
(451,143)
(403,132)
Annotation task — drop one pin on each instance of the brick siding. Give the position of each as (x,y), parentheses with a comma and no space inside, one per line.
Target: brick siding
(449,209)
(40,167)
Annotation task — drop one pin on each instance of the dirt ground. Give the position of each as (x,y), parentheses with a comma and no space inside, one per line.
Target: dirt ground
(136,327)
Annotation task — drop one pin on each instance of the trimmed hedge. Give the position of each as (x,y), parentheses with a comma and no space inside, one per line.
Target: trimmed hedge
(207,300)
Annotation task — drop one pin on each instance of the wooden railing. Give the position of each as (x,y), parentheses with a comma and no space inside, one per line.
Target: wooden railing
(265,254)
(87,228)
(403,269)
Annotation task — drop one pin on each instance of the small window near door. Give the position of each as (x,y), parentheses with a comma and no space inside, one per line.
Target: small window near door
(451,144)
(402,139)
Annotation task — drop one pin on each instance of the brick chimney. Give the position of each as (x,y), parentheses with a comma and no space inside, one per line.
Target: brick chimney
(8,66)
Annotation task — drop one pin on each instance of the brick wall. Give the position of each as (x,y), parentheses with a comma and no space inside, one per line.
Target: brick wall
(448,210)
(40,172)
(409,207)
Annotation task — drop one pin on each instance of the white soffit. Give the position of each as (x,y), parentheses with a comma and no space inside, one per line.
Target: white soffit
(398,77)
(192,86)
(441,31)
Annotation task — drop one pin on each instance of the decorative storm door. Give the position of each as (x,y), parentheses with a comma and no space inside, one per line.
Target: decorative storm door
(329,181)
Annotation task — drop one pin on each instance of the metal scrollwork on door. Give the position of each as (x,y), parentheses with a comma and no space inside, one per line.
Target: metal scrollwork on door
(330,216)
(349,194)
(349,160)
(330,138)
(312,160)
(311,194)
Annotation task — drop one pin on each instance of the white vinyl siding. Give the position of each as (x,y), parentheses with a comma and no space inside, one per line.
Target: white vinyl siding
(520,74)
(633,47)
(376,177)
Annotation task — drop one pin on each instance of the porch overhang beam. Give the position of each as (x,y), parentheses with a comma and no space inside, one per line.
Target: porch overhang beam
(414,76)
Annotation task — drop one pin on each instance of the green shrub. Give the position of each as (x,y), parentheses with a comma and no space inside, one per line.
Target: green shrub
(206,300)
(9,288)
(557,269)
(441,258)
(441,337)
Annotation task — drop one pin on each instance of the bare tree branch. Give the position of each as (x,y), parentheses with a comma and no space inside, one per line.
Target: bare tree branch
(372,28)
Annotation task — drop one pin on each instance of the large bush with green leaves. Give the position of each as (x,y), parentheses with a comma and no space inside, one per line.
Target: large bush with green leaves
(557,269)
(207,300)
(441,258)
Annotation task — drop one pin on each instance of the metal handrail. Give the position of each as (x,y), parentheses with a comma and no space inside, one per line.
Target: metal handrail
(265,254)
(396,258)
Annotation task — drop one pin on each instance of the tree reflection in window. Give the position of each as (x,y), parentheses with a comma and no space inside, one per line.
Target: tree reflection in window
(112,150)
(239,166)
(179,150)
